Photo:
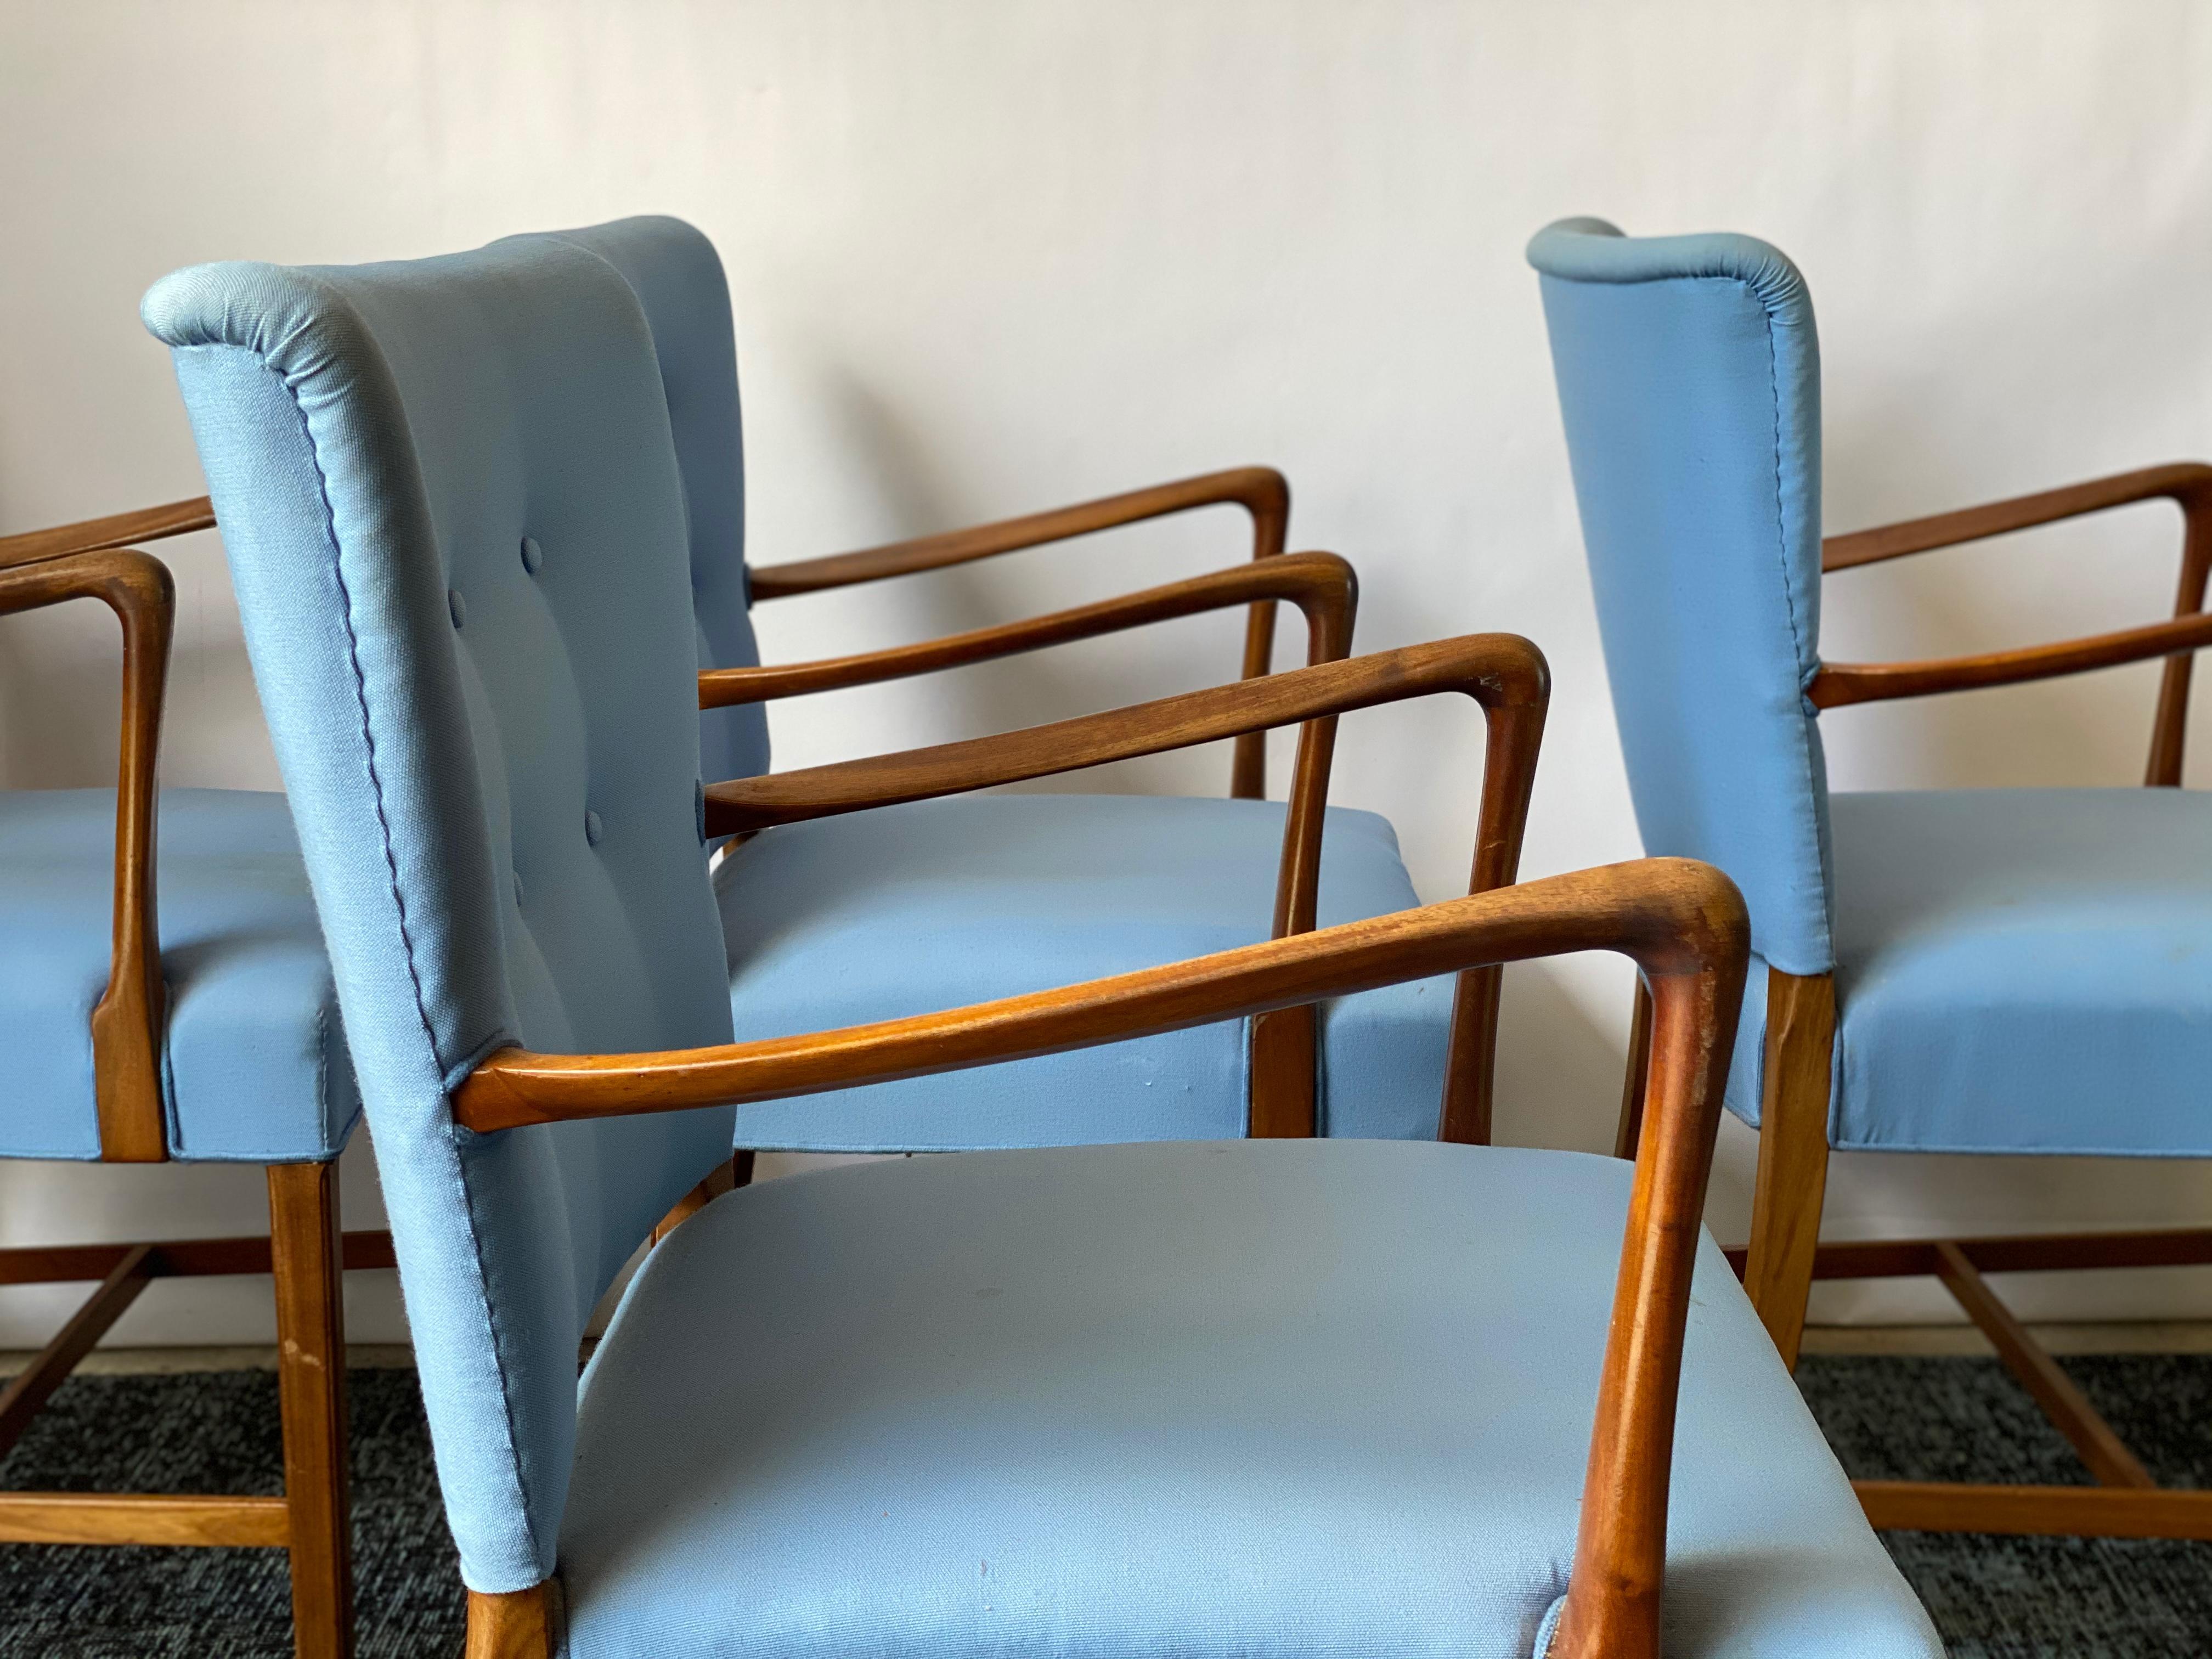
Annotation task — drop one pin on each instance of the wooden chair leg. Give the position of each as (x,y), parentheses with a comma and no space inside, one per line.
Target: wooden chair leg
(517,1625)
(1793,1153)
(305,1256)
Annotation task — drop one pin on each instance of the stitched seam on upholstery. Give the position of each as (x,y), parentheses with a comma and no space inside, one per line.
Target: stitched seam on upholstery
(391,864)
(1789,602)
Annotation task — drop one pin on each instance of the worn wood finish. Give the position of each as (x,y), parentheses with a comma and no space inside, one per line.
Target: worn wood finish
(2061,1398)
(1613,1591)
(1682,923)
(517,1625)
(185,1258)
(1262,491)
(311,1388)
(76,1517)
(1793,1153)
(147,523)
(32,1386)
(1322,585)
(2057,1511)
(126,1023)
(1837,685)
(1629,1132)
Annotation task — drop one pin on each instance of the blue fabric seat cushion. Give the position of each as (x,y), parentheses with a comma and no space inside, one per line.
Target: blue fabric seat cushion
(1321,1398)
(256,1068)
(913,909)
(2022,970)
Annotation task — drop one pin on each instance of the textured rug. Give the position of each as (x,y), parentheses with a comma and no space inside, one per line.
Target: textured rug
(1993,1598)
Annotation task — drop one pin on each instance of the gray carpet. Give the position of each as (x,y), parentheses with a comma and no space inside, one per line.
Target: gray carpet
(1927,1419)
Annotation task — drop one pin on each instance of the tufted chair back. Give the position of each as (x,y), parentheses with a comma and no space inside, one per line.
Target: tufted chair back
(456,524)
(1689,375)
(678,277)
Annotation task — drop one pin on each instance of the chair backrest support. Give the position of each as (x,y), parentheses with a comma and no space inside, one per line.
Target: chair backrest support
(455,521)
(1689,379)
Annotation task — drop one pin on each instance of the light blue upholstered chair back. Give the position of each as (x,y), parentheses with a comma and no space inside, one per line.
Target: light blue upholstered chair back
(1689,376)
(678,278)
(456,524)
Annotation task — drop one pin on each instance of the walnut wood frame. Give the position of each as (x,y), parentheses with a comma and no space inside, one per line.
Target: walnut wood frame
(304,1250)
(1682,923)
(1784,1256)
(1262,491)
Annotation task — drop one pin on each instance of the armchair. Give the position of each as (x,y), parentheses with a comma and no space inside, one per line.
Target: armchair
(1993,970)
(1300,1397)
(163,996)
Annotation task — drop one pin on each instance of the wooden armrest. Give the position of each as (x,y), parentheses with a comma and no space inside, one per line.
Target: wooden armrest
(97,534)
(1683,924)
(1839,683)
(2188,483)
(1322,585)
(1503,672)
(1261,490)
(126,1022)
(1499,670)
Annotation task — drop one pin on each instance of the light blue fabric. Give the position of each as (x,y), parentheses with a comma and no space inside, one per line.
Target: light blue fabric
(1689,378)
(255,1066)
(1255,1397)
(2016,970)
(678,278)
(456,526)
(865,925)
(913,909)
(2024,971)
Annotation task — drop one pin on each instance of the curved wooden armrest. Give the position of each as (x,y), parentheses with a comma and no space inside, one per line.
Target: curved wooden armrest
(1684,924)
(147,523)
(1261,490)
(1839,683)
(1322,585)
(1500,669)
(1503,672)
(126,1022)
(2188,483)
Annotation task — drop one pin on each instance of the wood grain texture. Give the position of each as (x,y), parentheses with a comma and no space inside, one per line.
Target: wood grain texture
(1262,491)
(2058,1511)
(74,1517)
(184,1258)
(515,1625)
(126,1023)
(1628,1133)
(1792,1184)
(147,523)
(2187,484)
(2061,1398)
(1682,923)
(311,1391)
(32,1386)
(1499,669)
(1837,685)
(1322,586)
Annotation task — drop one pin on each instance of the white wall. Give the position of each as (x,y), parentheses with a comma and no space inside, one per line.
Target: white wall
(990,257)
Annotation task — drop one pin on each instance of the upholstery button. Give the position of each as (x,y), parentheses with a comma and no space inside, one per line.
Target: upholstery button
(518,889)
(454,606)
(593,828)
(532,554)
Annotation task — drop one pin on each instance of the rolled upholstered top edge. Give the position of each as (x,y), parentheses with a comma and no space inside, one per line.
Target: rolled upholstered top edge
(1588,250)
